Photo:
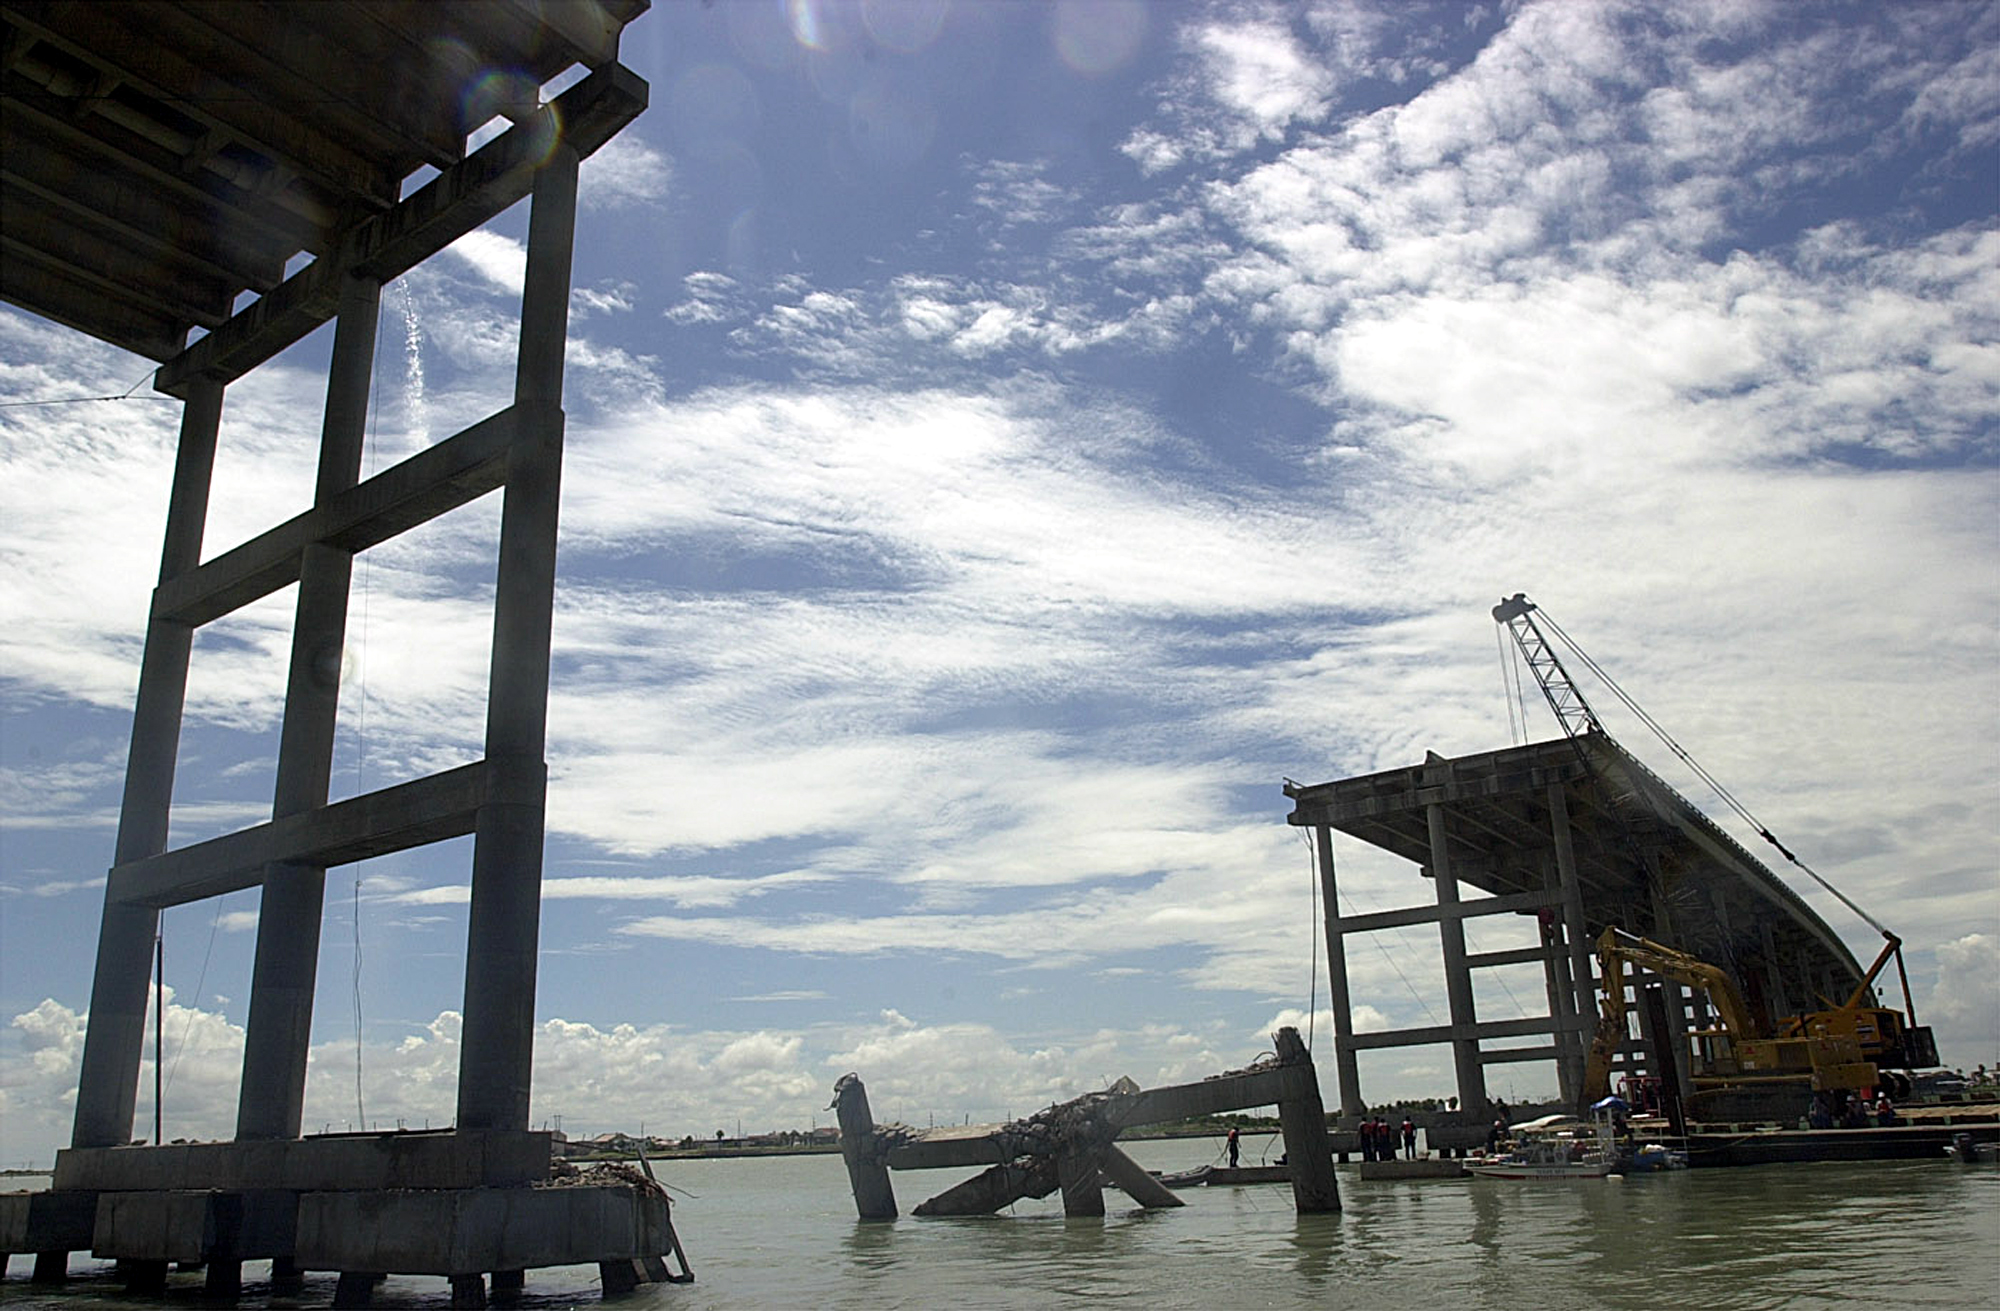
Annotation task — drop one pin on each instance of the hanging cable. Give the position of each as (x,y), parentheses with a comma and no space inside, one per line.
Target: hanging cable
(201,979)
(159,1018)
(1428,1012)
(125,395)
(371,452)
(1499,978)
(1516,730)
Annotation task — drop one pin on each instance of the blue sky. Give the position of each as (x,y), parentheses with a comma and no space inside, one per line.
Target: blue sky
(1007,439)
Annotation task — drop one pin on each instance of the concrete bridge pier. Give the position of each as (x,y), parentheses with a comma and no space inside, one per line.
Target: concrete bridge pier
(867,1175)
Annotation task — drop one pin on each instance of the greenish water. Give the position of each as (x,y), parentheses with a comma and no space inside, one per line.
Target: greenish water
(780,1232)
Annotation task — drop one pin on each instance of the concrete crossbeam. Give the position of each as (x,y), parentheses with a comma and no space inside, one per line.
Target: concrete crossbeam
(48,1221)
(1227,1092)
(374,824)
(469,1231)
(1345,812)
(461,1159)
(1516,1055)
(1519,956)
(942,1149)
(163,1226)
(1401,918)
(434,481)
(1531,1027)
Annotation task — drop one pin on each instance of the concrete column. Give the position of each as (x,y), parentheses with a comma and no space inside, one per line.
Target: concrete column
(1457,976)
(1302,1118)
(1121,1171)
(1082,1182)
(1346,1067)
(271,1097)
(1674,995)
(1667,1062)
(874,1195)
(497,1055)
(1774,975)
(1652,1013)
(1555,983)
(1583,991)
(108,1086)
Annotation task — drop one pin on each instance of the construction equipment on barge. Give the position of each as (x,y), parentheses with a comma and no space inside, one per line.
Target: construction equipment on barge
(1848,1048)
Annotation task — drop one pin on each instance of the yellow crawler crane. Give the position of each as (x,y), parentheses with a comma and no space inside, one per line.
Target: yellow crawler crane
(1886,1036)
(1740,1055)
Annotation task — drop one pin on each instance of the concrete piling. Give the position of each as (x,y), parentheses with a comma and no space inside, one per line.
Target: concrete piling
(874,1195)
(1131,1178)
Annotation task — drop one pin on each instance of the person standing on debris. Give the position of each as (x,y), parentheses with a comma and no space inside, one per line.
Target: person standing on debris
(1232,1148)
(1409,1138)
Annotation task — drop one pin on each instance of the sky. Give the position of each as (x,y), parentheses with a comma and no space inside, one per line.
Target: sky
(1007,440)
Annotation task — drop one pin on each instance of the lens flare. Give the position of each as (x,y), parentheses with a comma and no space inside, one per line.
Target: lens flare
(808,22)
(905,26)
(509,93)
(1096,36)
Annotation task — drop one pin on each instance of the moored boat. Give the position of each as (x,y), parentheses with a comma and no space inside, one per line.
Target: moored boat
(1553,1149)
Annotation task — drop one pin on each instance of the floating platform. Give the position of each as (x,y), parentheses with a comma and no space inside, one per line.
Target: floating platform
(1422,1168)
(1708,1147)
(1226,1175)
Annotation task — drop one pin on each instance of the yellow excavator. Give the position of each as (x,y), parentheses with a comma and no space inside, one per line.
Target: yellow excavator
(1846,1048)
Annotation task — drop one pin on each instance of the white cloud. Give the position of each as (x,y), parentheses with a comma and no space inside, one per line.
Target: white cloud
(595,1079)
(626,171)
(1964,1006)
(610,298)
(1259,73)
(500,260)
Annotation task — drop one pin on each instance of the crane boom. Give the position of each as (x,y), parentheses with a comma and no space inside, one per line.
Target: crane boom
(1516,615)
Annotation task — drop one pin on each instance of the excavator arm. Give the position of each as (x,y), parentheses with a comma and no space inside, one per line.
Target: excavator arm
(1616,949)
(1664,961)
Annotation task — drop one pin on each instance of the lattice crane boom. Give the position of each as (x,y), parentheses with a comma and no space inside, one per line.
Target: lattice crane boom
(1516,615)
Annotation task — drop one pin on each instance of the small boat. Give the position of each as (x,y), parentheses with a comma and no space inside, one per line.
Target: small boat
(1649,1159)
(1188,1178)
(1966,1151)
(1551,1153)
(1541,1158)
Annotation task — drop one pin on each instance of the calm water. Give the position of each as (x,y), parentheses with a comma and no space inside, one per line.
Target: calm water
(781,1233)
